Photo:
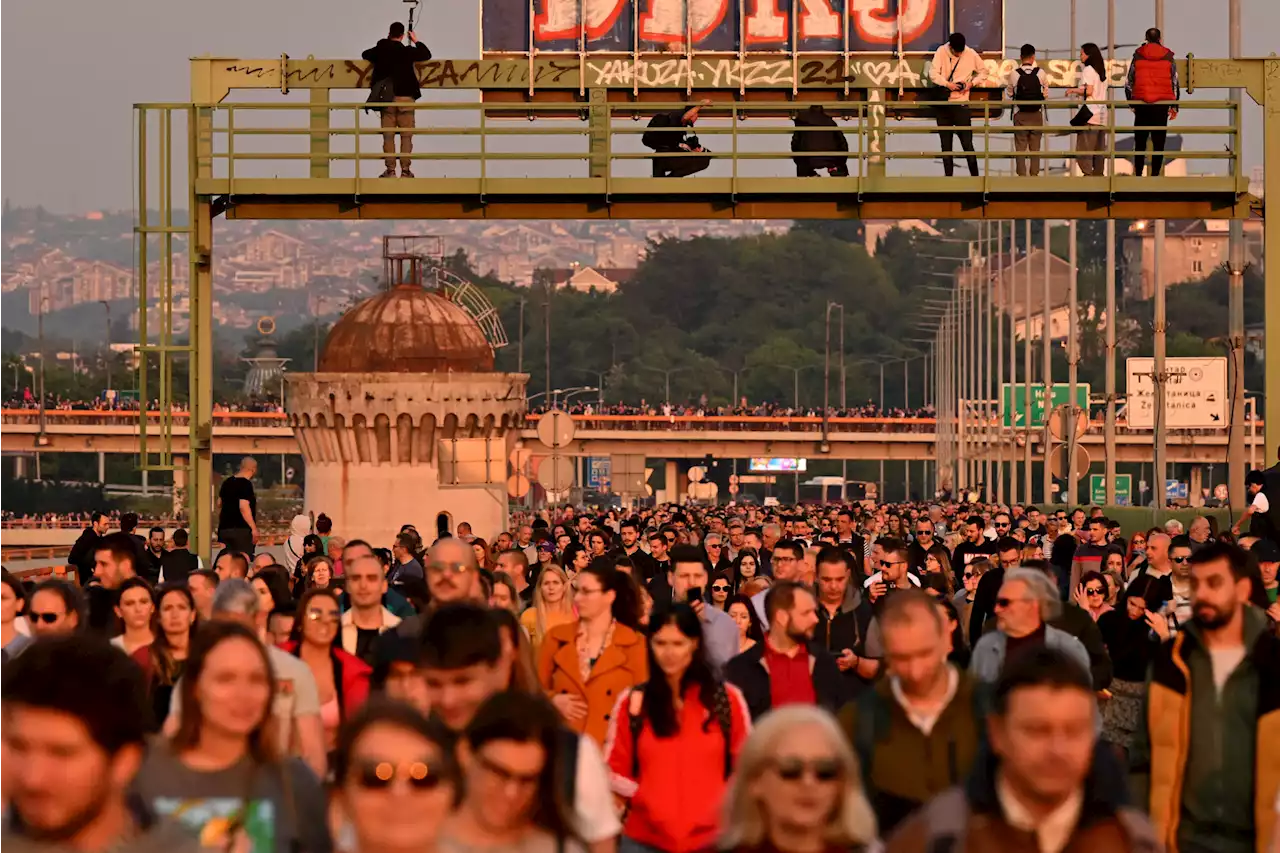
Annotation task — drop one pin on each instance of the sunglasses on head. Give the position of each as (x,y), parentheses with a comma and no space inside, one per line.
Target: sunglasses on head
(375,776)
(46,618)
(794,769)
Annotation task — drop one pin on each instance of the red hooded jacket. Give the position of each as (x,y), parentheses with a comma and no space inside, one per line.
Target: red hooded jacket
(350,676)
(1153,75)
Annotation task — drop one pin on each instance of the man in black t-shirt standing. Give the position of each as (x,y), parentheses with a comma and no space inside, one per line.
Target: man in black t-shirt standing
(975,546)
(237,517)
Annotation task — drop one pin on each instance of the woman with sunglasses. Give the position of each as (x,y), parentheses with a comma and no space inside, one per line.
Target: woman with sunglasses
(1135,558)
(342,679)
(1091,594)
(552,604)
(394,779)
(219,773)
(797,789)
(1130,643)
(673,741)
(165,659)
(135,606)
(512,799)
(937,561)
(719,591)
(963,598)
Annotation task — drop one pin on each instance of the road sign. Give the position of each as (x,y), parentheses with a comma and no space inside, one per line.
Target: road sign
(1195,393)
(1175,490)
(556,473)
(556,429)
(1013,402)
(517,485)
(1063,421)
(599,469)
(733,488)
(697,474)
(1098,489)
(1058,460)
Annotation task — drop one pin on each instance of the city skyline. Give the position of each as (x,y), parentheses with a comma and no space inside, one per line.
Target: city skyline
(147,63)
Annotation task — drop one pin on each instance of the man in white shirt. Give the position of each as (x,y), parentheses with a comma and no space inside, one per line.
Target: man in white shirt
(1029,88)
(957,69)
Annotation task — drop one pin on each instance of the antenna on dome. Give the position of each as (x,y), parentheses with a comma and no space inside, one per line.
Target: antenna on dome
(407,259)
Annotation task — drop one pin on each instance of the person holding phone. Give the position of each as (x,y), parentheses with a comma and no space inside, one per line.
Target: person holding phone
(957,68)
(688,583)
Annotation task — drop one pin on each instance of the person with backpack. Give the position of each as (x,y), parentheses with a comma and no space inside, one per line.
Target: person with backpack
(666,135)
(394,83)
(826,141)
(1028,89)
(673,741)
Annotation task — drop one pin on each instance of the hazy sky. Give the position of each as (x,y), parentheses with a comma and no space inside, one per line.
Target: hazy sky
(90,61)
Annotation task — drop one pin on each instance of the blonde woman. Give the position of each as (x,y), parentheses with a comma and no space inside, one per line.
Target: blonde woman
(797,789)
(552,605)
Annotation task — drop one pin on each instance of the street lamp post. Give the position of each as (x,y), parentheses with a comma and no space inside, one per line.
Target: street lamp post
(666,372)
(106,358)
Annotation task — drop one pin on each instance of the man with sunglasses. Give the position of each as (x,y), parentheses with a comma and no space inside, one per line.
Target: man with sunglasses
(1008,557)
(1028,600)
(918,552)
(1178,610)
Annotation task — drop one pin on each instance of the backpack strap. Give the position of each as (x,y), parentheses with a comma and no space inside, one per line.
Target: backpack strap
(635,716)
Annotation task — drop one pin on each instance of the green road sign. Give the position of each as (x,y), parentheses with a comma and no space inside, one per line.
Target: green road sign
(1013,402)
(1098,489)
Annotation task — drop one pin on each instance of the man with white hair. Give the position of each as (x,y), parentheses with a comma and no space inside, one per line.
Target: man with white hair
(296,705)
(1173,527)
(1026,602)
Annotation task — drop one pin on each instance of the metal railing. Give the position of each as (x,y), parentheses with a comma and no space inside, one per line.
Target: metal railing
(235,147)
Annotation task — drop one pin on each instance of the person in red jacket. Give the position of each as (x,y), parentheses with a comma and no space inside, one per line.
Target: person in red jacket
(1153,80)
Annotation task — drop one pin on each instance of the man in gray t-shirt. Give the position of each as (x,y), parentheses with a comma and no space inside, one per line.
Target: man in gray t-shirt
(296,705)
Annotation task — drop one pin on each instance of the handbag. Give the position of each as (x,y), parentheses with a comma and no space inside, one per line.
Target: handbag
(1081,119)
(380,93)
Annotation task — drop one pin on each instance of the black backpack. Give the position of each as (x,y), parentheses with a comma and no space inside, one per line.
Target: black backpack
(1027,88)
(722,712)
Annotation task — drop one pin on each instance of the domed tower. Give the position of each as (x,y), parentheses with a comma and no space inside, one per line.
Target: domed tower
(406,422)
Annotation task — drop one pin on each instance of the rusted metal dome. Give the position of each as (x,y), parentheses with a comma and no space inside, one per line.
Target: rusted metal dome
(406,329)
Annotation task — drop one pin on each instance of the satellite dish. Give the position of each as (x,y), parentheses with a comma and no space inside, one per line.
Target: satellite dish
(556,429)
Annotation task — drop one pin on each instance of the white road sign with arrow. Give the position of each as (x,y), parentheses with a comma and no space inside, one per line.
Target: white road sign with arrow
(1195,393)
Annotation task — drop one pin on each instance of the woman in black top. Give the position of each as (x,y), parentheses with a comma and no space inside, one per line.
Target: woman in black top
(1131,645)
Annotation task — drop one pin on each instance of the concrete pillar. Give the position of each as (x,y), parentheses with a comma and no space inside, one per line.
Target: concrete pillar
(102,467)
(179,484)
(671,476)
(1196,484)
(146,484)
(20,471)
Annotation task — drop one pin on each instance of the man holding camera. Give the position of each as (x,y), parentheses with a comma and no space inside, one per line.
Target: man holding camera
(394,81)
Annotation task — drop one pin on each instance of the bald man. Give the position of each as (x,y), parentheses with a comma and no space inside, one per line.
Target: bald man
(452,576)
(238,511)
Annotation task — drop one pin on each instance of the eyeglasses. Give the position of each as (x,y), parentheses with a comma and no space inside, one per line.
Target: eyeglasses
(1092,590)
(315,614)
(884,564)
(450,568)
(1186,559)
(46,618)
(1009,563)
(719,587)
(794,769)
(1000,526)
(1006,602)
(969,575)
(378,776)
(924,532)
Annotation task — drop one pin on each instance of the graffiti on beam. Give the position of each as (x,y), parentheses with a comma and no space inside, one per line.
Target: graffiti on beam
(449,74)
(732,72)
(326,71)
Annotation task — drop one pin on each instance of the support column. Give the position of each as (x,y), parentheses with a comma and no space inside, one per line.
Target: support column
(671,476)
(1193,488)
(20,471)
(102,467)
(319,124)
(1271,252)
(598,139)
(179,483)
(1046,338)
(200,482)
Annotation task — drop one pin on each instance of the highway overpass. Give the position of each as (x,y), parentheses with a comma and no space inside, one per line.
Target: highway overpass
(655,436)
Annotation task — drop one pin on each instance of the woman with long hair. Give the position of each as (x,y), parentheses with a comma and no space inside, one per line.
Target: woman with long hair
(576,559)
(584,665)
(1129,641)
(797,789)
(222,755)
(719,590)
(513,797)
(484,557)
(271,583)
(135,607)
(673,741)
(1092,117)
(342,679)
(963,598)
(744,615)
(394,778)
(552,604)
(503,594)
(164,661)
(517,652)
(960,653)
(318,572)
(938,561)
(12,602)
(312,545)
(1135,558)
(745,568)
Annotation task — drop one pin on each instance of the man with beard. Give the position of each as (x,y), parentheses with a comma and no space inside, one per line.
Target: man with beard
(788,668)
(1213,716)
(629,547)
(73,744)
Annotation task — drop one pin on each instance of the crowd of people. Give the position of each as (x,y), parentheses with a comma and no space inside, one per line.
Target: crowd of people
(26,401)
(743,409)
(918,677)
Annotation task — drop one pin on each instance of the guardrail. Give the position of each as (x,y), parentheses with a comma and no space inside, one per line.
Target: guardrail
(237,147)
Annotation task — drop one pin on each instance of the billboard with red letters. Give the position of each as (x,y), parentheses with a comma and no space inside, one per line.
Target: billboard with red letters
(734,26)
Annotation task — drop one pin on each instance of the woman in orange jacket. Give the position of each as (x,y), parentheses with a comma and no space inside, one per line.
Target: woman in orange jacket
(585,665)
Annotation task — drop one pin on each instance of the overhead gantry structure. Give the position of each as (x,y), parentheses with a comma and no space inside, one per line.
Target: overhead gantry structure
(557,137)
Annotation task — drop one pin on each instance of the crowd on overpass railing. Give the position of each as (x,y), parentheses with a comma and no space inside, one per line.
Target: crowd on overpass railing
(57,403)
(743,410)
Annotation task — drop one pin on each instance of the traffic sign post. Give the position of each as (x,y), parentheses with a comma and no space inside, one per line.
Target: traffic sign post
(1175,490)
(1098,489)
(1013,403)
(1195,393)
